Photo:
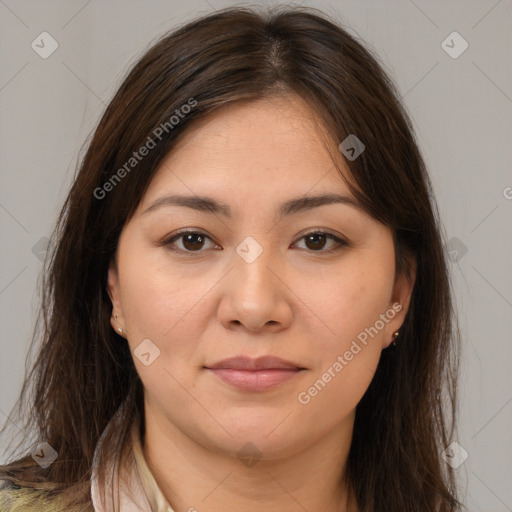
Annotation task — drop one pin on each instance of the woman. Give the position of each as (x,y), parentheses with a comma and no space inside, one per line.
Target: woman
(247,307)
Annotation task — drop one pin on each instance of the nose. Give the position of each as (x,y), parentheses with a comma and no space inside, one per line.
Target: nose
(255,295)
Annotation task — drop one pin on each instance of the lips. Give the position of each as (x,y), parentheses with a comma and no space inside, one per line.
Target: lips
(260,363)
(258,374)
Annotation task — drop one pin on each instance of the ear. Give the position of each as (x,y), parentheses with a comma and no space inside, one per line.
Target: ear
(400,300)
(115,296)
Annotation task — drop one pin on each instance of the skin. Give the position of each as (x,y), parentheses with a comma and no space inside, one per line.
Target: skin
(295,301)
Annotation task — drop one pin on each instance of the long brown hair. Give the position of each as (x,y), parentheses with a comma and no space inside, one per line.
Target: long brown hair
(83,372)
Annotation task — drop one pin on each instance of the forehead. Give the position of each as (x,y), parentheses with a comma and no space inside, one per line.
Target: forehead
(273,147)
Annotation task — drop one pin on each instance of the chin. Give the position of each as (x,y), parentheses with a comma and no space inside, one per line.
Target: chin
(258,439)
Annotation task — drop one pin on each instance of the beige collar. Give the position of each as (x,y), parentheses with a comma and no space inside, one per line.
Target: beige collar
(133,487)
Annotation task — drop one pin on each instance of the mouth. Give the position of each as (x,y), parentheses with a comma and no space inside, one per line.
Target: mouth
(259,374)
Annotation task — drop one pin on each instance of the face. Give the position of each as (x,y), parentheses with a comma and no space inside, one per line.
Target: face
(312,285)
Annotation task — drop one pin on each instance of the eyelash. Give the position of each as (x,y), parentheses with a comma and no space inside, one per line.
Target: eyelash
(167,243)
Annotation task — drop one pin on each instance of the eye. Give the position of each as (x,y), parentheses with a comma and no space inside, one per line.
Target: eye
(191,241)
(194,241)
(316,240)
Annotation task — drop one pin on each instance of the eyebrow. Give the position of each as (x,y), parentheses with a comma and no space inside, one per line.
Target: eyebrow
(208,204)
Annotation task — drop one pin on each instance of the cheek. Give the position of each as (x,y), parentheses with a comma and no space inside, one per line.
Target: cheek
(347,358)
(346,301)
(154,296)
(148,300)
(336,392)
(165,307)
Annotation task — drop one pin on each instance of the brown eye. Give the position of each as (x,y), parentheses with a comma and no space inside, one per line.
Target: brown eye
(191,241)
(194,242)
(315,242)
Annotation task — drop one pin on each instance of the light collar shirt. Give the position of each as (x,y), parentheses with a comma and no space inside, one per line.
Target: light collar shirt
(132,486)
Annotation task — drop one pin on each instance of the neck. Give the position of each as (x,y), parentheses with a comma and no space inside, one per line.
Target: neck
(202,479)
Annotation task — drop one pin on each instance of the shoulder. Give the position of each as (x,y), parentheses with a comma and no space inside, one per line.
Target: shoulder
(14,498)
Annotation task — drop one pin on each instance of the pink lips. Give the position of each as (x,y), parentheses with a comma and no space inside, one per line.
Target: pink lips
(255,374)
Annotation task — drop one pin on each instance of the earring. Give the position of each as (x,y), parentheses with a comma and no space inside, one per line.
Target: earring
(395,336)
(119,330)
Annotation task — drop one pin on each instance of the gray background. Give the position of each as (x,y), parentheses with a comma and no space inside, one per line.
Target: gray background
(462,113)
